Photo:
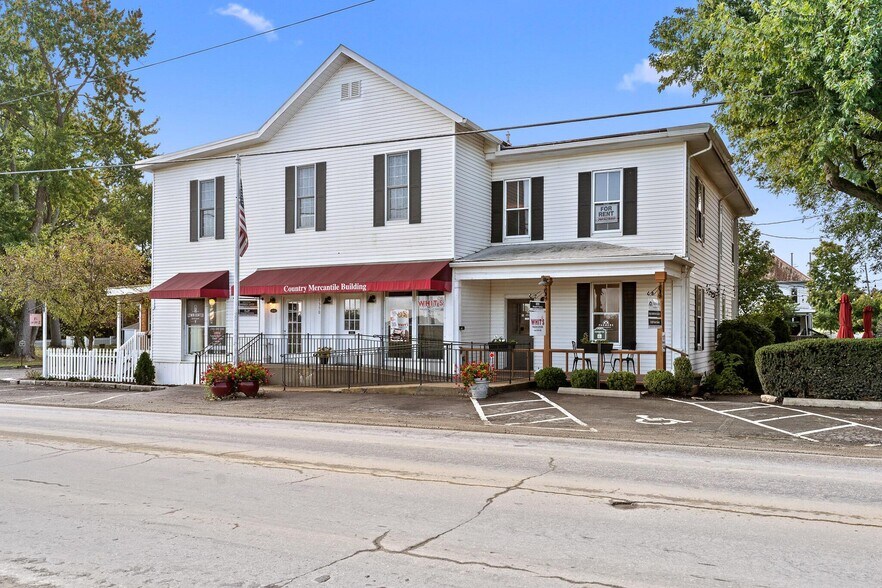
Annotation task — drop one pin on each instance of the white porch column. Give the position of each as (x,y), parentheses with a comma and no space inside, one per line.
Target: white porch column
(119,322)
(45,346)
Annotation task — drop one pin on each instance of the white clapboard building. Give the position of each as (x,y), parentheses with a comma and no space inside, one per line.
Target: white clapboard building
(382,223)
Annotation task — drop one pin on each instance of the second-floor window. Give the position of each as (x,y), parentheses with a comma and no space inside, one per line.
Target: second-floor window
(607,201)
(794,295)
(517,208)
(206,208)
(396,186)
(306,197)
(699,210)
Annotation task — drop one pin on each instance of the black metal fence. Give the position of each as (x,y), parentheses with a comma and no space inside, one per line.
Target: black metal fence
(334,361)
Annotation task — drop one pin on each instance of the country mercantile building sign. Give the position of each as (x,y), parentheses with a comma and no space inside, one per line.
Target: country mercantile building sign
(440,238)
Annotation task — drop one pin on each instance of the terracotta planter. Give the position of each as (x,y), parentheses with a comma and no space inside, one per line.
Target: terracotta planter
(249,388)
(222,389)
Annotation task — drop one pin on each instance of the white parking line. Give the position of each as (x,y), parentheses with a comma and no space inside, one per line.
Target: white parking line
(479,408)
(512,402)
(829,429)
(735,416)
(53,395)
(549,420)
(789,416)
(490,416)
(111,398)
(560,408)
(747,408)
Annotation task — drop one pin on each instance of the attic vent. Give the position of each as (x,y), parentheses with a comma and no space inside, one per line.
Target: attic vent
(350,90)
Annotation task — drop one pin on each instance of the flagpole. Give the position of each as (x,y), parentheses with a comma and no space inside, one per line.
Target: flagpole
(236,263)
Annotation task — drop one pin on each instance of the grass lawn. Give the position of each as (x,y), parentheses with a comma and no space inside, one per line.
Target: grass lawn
(12,361)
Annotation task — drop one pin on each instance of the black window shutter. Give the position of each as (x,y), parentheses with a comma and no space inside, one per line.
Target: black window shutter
(194,210)
(321,195)
(416,186)
(290,202)
(379,190)
(583,311)
(584,207)
(219,207)
(629,204)
(629,315)
(496,205)
(537,209)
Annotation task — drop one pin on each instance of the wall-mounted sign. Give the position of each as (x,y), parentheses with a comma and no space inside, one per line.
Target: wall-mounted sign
(217,336)
(399,324)
(537,318)
(600,334)
(606,212)
(325,288)
(248,307)
(36,319)
(654,313)
(195,313)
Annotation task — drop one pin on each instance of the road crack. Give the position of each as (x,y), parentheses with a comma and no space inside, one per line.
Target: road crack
(40,482)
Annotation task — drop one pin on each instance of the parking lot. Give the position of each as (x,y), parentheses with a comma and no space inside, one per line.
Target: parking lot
(739,422)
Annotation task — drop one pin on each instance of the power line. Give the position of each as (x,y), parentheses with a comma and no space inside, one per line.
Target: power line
(199,51)
(794,220)
(385,141)
(787,237)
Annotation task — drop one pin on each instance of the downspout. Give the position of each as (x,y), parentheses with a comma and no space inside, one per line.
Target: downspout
(687,281)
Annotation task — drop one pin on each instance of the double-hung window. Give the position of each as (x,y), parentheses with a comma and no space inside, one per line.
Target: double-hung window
(206,208)
(699,210)
(607,310)
(306,197)
(607,201)
(517,208)
(352,315)
(396,186)
(699,318)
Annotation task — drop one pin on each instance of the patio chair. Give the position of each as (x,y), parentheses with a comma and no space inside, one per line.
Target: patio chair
(625,360)
(586,361)
(605,356)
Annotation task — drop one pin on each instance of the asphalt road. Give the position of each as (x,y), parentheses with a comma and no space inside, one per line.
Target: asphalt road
(123,498)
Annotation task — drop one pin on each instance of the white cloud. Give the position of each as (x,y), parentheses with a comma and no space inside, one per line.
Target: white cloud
(252,19)
(642,74)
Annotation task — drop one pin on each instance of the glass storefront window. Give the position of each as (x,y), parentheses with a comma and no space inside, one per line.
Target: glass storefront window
(200,314)
(607,310)
(430,324)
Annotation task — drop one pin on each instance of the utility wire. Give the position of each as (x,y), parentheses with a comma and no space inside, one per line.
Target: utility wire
(203,50)
(794,220)
(787,237)
(384,141)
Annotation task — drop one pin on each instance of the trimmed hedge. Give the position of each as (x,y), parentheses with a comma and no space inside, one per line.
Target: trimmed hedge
(683,375)
(742,337)
(583,378)
(660,382)
(550,378)
(843,369)
(621,381)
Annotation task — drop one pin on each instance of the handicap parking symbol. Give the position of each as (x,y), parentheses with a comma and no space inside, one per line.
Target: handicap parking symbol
(644,419)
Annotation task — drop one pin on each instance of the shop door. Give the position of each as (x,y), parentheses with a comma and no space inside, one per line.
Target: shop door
(518,329)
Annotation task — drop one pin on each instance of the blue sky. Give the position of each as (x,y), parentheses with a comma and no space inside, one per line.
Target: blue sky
(497,62)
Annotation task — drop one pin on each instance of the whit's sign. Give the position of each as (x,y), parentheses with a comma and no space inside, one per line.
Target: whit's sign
(325,288)
(537,318)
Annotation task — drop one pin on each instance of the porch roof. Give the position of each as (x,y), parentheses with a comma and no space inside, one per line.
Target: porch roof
(570,251)
(194,285)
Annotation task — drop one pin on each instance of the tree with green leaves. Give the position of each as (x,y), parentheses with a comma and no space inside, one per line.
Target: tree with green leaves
(66,100)
(831,274)
(758,293)
(802,84)
(71,273)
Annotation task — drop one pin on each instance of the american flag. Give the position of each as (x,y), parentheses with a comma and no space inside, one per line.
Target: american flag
(243,230)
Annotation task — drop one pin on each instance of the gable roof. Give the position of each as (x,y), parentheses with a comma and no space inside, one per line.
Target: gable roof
(784,272)
(341,56)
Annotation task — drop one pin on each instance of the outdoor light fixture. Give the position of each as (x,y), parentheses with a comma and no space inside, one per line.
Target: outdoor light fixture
(272,304)
(212,302)
(327,300)
(371,299)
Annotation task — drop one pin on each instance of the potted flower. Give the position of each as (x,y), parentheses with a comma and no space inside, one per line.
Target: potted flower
(323,354)
(476,376)
(220,378)
(249,377)
(501,344)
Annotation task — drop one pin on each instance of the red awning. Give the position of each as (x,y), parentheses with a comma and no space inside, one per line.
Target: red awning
(376,277)
(194,285)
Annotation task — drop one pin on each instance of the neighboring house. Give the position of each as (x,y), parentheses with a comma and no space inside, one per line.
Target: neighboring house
(441,237)
(793,283)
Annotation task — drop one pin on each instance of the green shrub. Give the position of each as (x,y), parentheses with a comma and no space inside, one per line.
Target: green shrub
(734,342)
(145,373)
(781,330)
(756,333)
(846,369)
(683,374)
(550,378)
(621,381)
(583,378)
(660,382)
(727,380)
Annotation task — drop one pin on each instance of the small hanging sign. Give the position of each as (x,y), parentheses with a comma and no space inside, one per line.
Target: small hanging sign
(537,318)
(36,319)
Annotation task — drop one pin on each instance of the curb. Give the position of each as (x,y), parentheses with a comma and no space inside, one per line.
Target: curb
(635,394)
(833,403)
(104,385)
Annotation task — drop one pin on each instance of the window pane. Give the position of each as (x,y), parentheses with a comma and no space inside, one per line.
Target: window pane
(397,204)
(613,179)
(206,194)
(217,312)
(306,181)
(352,314)
(610,322)
(396,170)
(206,228)
(516,223)
(515,195)
(195,339)
(600,187)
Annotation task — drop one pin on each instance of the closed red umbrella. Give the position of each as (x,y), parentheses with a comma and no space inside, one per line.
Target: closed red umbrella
(868,322)
(845,330)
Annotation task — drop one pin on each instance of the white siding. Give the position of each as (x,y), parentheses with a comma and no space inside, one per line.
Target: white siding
(660,172)
(475,311)
(472,196)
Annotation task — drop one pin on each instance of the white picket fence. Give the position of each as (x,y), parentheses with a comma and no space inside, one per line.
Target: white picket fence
(111,365)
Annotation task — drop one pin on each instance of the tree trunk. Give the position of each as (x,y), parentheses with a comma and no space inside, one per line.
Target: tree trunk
(54,331)
(25,332)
